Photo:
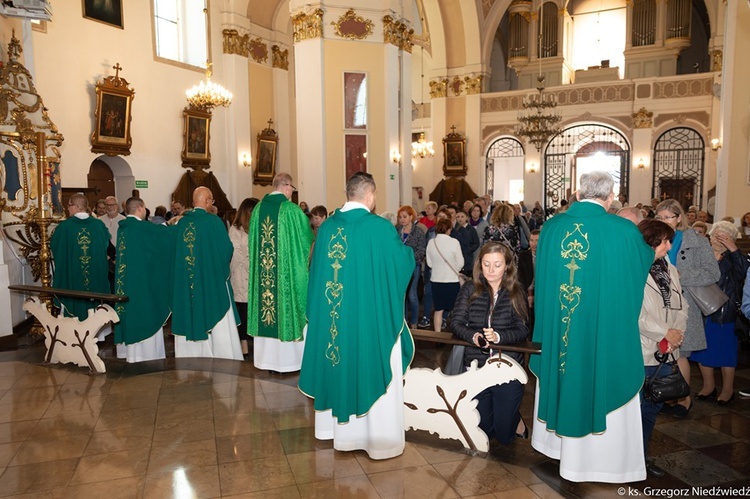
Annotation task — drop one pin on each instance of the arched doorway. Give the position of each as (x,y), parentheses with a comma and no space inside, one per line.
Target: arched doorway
(504,180)
(679,155)
(580,149)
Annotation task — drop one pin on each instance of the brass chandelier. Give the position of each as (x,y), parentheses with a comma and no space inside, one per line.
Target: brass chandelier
(207,94)
(539,120)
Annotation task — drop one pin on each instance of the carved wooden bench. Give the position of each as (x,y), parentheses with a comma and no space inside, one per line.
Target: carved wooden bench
(444,404)
(67,339)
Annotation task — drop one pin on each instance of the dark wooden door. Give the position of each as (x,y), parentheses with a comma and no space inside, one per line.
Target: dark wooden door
(681,189)
(101,182)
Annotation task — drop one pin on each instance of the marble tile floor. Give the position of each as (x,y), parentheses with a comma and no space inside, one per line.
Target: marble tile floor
(216,428)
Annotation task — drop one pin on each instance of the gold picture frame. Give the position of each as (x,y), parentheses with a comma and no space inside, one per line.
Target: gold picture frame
(265,157)
(196,138)
(112,117)
(454,154)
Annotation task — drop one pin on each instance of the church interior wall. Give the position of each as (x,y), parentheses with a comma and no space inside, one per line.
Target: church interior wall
(75,52)
(261,95)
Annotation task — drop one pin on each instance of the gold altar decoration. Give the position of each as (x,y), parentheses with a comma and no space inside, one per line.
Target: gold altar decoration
(352,26)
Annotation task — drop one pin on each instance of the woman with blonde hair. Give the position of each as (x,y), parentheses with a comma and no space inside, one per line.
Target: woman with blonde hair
(503,229)
(691,254)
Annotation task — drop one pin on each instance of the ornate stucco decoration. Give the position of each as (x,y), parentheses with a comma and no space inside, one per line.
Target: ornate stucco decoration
(439,88)
(352,26)
(473,84)
(457,86)
(683,88)
(280,58)
(234,43)
(643,119)
(307,26)
(717,57)
(398,33)
(258,50)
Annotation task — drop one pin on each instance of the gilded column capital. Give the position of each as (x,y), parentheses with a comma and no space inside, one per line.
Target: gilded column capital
(280,58)
(717,59)
(307,25)
(439,88)
(457,86)
(397,32)
(234,43)
(473,84)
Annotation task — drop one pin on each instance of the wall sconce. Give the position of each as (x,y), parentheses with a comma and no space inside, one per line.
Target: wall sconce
(247,162)
(641,164)
(715,144)
(395,156)
(532,168)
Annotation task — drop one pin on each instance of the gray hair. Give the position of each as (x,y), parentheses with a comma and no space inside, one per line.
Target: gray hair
(390,216)
(727,228)
(596,185)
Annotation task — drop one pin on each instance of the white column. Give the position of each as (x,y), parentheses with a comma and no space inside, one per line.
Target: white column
(311,115)
(474,152)
(238,141)
(283,123)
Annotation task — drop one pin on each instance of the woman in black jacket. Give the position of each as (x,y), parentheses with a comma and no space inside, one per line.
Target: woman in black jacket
(492,308)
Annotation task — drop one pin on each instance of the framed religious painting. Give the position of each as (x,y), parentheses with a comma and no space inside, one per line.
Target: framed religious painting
(196,137)
(112,116)
(265,158)
(104,11)
(454,154)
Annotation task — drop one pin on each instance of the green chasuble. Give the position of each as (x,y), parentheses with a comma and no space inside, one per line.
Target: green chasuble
(358,277)
(145,261)
(591,268)
(279,247)
(201,292)
(79,252)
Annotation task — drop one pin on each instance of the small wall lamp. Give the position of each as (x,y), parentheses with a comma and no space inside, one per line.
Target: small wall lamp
(715,144)
(641,164)
(247,162)
(532,168)
(395,156)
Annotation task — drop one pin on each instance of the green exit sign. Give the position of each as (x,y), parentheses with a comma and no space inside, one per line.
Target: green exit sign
(141,184)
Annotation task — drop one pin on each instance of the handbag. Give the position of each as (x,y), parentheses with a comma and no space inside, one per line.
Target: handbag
(709,298)
(665,388)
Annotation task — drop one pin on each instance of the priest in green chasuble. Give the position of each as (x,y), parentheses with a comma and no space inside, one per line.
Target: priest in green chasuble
(591,269)
(143,273)
(358,345)
(279,243)
(79,252)
(204,317)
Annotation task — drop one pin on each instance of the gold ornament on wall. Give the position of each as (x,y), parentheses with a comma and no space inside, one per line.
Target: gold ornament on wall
(473,84)
(234,43)
(352,26)
(280,58)
(398,33)
(457,86)
(439,88)
(258,50)
(643,119)
(717,57)
(307,26)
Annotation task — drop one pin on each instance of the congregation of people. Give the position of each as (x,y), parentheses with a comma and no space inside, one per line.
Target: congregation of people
(602,287)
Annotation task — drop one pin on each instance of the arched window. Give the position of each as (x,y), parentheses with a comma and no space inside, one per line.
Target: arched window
(679,155)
